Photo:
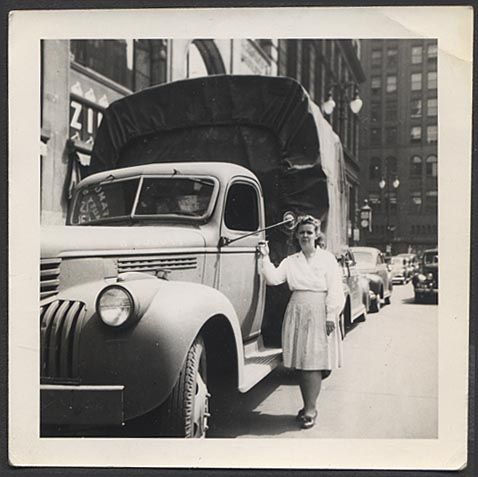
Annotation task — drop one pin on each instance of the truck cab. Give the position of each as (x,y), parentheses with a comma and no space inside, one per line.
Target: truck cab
(151,252)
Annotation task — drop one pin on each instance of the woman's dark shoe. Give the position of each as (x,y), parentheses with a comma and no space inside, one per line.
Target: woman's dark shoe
(306,422)
(300,415)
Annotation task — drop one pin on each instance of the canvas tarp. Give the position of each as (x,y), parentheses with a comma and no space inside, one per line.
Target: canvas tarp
(267,124)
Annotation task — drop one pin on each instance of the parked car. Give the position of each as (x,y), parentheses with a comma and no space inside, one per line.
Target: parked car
(356,288)
(425,283)
(412,264)
(399,270)
(371,262)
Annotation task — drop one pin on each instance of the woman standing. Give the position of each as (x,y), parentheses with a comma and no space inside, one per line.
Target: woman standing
(311,339)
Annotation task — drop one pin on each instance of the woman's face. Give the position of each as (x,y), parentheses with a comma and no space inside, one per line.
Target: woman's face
(306,235)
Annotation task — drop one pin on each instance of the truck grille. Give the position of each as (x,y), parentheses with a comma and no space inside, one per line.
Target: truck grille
(152,263)
(60,324)
(49,277)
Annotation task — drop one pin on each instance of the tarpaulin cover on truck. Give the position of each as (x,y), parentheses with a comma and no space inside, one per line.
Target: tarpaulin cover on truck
(267,124)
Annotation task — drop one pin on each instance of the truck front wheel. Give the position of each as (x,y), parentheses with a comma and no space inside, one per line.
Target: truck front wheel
(186,411)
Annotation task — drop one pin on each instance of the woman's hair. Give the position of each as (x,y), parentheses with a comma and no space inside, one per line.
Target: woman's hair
(306,220)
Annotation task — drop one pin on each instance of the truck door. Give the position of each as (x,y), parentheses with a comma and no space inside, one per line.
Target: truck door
(239,278)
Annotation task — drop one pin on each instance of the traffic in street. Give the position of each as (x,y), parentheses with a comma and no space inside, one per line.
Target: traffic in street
(387,388)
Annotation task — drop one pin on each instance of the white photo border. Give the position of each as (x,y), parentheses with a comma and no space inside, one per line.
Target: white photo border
(452,26)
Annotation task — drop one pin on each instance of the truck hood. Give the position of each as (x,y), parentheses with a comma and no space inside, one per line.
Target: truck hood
(59,241)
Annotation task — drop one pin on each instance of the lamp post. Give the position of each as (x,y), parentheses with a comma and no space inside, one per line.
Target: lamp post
(355,104)
(395,185)
(365,220)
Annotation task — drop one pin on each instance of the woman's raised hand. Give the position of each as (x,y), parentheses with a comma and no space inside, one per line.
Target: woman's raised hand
(263,248)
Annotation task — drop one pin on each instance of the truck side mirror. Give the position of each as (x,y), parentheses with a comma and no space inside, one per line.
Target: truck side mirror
(290,220)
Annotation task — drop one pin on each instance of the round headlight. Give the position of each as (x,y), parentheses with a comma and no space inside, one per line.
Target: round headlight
(115,305)
(422,277)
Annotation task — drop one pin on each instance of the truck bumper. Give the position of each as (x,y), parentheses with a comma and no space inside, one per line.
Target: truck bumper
(81,406)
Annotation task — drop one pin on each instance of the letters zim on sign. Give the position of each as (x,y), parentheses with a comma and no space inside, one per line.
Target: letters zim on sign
(85,118)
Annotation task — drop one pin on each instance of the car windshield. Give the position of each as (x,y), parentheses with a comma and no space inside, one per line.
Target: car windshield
(150,198)
(364,259)
(430,258)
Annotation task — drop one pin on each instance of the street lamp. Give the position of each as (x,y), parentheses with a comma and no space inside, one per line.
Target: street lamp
(395,184)
(355,104)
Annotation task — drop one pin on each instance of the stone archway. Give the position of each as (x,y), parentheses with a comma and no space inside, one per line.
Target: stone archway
(210,56)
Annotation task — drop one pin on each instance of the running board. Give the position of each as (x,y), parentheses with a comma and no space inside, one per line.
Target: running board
(259,361)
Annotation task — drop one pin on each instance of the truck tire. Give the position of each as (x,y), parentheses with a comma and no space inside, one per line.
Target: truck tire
(186,411)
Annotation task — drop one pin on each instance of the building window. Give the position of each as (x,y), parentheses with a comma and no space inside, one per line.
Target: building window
(432,52)
(375,138)
(391,84)
(416,81)
(375,110)
(392,165)
(417,53)
(376,84)
(432,134)
(305,64)
(391,110)
(416,166)
(312,70)
(416,134)
(375,168)
(432,107)
(416,108)
(391,135)
(376,57)
(111,58)
(432,199)
(432,80)
(392,55)
(432,166)
(415,201)
(291,57)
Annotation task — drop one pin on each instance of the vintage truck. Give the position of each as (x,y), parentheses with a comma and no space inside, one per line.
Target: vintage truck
(151,293)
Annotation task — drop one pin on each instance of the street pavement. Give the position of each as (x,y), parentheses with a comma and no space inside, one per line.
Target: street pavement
(387,388)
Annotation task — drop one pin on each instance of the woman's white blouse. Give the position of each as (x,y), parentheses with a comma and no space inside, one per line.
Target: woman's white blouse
(320,273)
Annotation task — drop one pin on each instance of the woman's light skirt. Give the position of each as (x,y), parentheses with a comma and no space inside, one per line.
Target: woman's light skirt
(305,342)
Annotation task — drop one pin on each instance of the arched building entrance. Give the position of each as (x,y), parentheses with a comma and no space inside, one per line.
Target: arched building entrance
(203,58)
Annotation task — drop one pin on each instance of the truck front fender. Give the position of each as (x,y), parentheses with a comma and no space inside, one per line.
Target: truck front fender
(146,358)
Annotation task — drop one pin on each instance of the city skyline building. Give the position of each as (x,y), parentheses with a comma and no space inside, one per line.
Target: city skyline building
(398,144)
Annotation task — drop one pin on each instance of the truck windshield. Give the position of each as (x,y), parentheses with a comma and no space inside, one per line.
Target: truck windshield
(157,197)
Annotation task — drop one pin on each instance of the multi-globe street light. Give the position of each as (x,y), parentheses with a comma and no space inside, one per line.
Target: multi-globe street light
(389,184)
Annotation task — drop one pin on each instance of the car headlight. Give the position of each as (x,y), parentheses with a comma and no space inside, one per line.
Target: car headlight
(115,305)
(430,276)
(421,277)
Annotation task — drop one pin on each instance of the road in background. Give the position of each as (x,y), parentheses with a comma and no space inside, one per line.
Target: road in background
(388,387)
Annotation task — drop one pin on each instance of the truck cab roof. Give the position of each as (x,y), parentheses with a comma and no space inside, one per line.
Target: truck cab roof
(221,170)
